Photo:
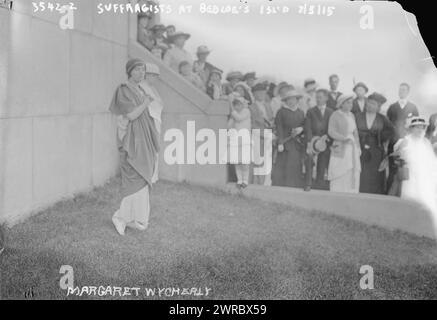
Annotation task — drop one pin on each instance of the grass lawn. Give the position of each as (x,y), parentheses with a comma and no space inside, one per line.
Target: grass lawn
(199,237)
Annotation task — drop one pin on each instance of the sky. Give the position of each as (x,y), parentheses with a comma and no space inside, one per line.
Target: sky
(292,47)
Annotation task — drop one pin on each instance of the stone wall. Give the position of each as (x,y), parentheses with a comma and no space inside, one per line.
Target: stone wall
(56,135)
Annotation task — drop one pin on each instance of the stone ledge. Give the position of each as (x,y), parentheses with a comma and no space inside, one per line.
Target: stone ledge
(384,211)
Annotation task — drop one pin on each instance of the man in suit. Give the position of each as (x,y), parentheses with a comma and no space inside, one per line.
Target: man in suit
(202,67)
(316,124)
(334,94)
(398,113)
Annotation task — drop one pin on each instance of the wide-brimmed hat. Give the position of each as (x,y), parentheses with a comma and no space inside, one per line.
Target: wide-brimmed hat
(217,71)
(319,144)
(152,68)
(157,27)
(178,34)
(416,121)
(282,85)
(262,86)
(234,75)
(378,98)
(249,75)
(362,85)
(342,99)
(292,94)
(310,81)
(203,49)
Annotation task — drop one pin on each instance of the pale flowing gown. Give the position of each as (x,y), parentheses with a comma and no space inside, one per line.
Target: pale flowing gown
(421,161)
(138,144)
(344,171)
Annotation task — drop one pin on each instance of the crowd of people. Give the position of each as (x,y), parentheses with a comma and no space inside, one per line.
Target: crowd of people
(327,140)
(322,138)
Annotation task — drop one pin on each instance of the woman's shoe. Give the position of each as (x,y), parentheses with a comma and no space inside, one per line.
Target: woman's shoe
(137,225)
(119,225)
(244,186)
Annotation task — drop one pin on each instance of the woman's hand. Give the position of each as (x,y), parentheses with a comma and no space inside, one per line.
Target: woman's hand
(296,131)
(281,148)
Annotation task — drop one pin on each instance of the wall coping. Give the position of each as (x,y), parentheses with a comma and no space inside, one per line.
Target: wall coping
(391,213)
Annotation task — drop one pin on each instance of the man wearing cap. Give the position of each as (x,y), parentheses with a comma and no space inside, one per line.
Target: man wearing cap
(398,113)
(316,125)
(177,53)
(359,104)
(334,94)
(262,118)
(232,79)
(202,67)
(250,79)
(309,97)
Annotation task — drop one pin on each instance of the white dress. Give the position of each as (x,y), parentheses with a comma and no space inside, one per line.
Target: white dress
(422,166)
(344,172)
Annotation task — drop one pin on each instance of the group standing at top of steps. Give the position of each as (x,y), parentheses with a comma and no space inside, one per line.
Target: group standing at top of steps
(322,138)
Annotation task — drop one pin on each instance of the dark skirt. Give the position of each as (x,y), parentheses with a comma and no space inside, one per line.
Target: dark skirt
(287,171)
(131,180)
(371,180)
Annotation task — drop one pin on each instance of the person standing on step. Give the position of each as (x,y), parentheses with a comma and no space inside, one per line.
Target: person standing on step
(334,94)
(359,103)
(174,56)
(374,130)
(289,122)
(240,148)
(344,164)
(316,131)
(398,113)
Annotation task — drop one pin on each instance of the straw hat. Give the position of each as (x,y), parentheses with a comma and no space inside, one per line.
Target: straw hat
(292,94)
(416,121)
(178,34)
(343,99)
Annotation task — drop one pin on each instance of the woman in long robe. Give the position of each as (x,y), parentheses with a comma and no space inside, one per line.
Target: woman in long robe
(374,131)
(344,164)
(138,145)
(156,106)
(289,122)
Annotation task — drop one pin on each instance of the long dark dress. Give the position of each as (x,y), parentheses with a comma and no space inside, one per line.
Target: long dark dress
(372,151)
(287,170)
